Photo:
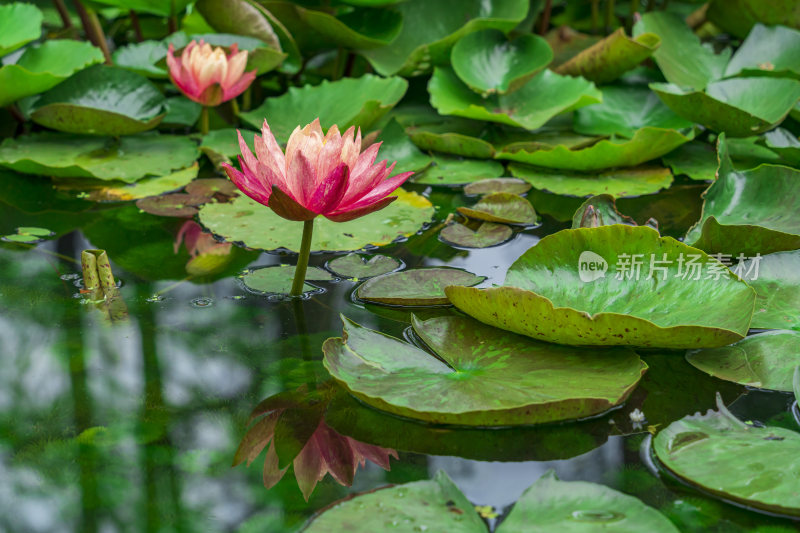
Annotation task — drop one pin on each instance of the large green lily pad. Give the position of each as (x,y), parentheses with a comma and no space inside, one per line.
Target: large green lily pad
(618,183)
(582,287)
(580,507)
(487,234)
(155,7)
(767,51)
(491,64)
(20,23)
(246,221)
(646,144)
(422,43)
(785,144)
(488,186)
(363,28)
(739,16)
(766,360)
(452,135)
(745,211)
(739,107)
(42,67)
(396,146)
(753,466)
(416,287)
(483,376)
(502,207)
(698,160)
(358,266)
(624,110)
(104,191)
(531,106)
(346,102)
(776,279)
(101,100)
(81,156)
(451,171)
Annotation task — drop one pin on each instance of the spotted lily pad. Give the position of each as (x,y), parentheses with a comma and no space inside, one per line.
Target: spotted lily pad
(745,211)
(618,183)
(491,64)
(20,23)
(776,279)
(361,266)
(615,285)
(579,506)
(765,360)
(101,100)
(746,464)
(487,234)
(501,207)
(417,287)
(278,279)
(28,235)
(767,51)
(245,221)
(450,170)
(44,66)
(81,156)
(611,57)
(597,211)
(488,186)
(546,95)
(346,102)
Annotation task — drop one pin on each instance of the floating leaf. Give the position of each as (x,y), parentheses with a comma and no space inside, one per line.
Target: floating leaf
(73,156)
(488,186)
(750,465)
(487,234)
(531,106)
(767,51)
(745,210)
(42,67)
(246,221)
(501,207)
(143,58)
(239,17)
(785,144)
(210,187)
(222,146)
(113,192)
(491,64)
(695,159)
(363,266)
(739,16)
(346,102)
(579,506)
(618,183)
(278,279)
(452,135)
(624,110)
(449,170)
(599,211)
(776,280)
(583,287)
(646,144)
(611,57)
(154,7)
(28,235)
(398,147)
(20,23)
(180,111)
(765,360)
(417,287)
(739,107)
(171,205)
(359,28)
(480,376)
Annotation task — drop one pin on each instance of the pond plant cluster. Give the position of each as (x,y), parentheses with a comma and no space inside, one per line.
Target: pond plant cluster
(497,230)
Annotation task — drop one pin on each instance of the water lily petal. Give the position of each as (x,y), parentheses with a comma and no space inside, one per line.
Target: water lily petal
(287,207)
(330,192)
(301,176)
(309,467)
(248,183)
(350,214)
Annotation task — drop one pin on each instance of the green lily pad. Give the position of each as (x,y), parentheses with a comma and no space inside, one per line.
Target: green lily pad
(358,266)
(618,183)
(745,211)
(180,111)
(122,192)
(503,207)
(488,186)
(240,17)
(417,287)
(449,170)
(785,144)
(698,160)
(765,360)
(74,156)
(101,100)
(154,7)
(681,57)
(42,67)
(598,211)
(739,16)
(28,235)
(20,23)
(210,187)
(421,44)
(222,146)
(180,205)
(398,147)
(488,234)
(767,51)
(624,110)
(491,64)
(346,102)
(143,58)
(278,279)
(531,106)
(611,57)
(776,280)
(579,506)
(646,144)
(436,503)
(480,376)
(453,135)
(256,226)
(582,287)
(363,28)
(739,107)
(750,465)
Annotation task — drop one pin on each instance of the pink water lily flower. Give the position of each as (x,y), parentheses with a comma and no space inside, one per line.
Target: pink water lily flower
(319,174)
(207,75)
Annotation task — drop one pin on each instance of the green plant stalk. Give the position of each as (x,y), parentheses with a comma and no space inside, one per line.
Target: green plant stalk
(204,121)
(247,98)
(302,259)
(93,29)
(609,15)
(63,13)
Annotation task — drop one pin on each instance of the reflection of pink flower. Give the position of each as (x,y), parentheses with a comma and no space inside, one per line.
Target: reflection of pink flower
(319,174)
(207,75)
(198,242)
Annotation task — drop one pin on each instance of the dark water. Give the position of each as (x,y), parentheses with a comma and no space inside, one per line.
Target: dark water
(133,427)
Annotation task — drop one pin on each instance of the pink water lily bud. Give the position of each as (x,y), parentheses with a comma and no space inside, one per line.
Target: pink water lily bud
(318,174)
(207,75)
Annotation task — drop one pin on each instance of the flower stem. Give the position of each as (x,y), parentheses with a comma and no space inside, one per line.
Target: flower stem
(302,259)
(204,120)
